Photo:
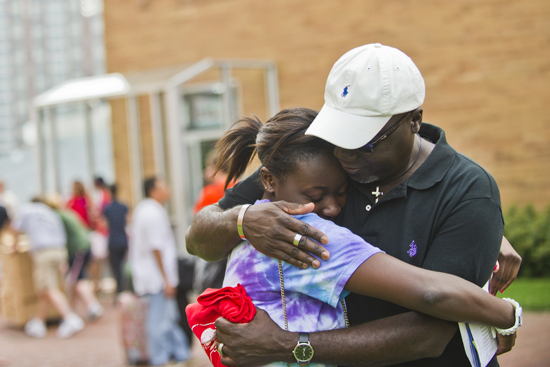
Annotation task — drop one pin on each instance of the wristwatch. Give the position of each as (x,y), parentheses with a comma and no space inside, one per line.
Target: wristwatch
(519,319)
(303,351)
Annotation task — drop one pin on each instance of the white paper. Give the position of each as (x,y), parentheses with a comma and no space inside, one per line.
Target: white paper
(484,345)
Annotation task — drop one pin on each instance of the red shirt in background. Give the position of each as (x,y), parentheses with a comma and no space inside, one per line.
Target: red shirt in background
(81,206)
(211,194)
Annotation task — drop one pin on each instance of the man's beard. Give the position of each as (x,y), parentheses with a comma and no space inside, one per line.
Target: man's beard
(367,180)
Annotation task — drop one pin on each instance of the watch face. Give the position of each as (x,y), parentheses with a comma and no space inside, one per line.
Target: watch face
(303,352)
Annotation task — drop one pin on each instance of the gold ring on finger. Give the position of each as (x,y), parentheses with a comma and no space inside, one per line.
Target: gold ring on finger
(220,349)
(297,239)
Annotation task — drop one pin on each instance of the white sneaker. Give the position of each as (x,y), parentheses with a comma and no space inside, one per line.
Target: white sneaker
(70,325)
(35,328)
(95,311)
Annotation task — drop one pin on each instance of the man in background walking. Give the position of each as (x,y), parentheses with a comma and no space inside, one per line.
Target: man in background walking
(47,237)
(117,215)
(153,260)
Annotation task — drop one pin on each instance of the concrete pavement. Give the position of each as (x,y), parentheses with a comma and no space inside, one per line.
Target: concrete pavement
(99,344)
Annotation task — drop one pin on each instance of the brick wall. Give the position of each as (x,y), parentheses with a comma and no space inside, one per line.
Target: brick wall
(119,131)
(486,64)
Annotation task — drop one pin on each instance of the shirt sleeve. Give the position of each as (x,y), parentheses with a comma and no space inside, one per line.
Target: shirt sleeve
(347,252)
(18,222)
(244,192)
(468,242)
(150,232)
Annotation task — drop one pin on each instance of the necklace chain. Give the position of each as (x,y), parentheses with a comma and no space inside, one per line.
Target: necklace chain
(282,281)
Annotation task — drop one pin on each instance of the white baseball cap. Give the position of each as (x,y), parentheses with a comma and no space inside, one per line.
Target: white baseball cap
(365,88)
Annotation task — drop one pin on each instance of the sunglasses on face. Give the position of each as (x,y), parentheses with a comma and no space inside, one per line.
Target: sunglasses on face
(369,147)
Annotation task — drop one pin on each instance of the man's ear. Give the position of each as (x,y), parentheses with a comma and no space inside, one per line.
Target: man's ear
(416,120)
(267,180)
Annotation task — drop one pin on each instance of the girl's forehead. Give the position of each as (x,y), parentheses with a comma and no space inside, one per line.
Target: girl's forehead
(317,169)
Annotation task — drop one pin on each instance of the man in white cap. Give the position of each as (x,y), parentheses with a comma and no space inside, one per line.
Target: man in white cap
(411,194)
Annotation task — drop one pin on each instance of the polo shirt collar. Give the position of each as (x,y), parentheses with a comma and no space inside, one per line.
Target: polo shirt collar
(438,162)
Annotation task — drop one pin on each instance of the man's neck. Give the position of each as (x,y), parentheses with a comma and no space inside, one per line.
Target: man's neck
(156,199)
(418,157)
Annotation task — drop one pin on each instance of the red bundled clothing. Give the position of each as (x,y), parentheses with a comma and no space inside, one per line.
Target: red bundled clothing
(231,303)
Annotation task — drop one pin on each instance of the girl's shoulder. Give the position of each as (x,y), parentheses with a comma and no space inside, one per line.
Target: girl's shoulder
(336,234)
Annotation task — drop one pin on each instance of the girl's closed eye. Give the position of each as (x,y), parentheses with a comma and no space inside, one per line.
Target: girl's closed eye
(315,200)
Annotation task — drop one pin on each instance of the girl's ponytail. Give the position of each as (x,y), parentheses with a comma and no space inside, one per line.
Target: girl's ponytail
(237,147)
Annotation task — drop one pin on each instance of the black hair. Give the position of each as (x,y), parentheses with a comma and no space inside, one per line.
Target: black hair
(4,218)
(280,143)
(113,189)
(98,181)
(149,185)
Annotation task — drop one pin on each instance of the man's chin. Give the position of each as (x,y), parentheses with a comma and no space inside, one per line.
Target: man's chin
(364,180)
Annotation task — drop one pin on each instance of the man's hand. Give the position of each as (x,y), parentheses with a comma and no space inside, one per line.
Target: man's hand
(505,343)
(169,292)
(271,230)
(509,262)
(256,343)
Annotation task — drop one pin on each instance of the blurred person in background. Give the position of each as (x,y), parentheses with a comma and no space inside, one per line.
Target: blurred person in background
(81,203)
(4,222)
(214,188)
(99,250)
(47,237)
(153,260)
(102,195)
(78,248)
(117,215)
(8,200)
(98,237)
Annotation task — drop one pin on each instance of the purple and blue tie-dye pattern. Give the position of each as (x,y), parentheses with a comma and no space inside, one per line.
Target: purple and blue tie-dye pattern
(312,295)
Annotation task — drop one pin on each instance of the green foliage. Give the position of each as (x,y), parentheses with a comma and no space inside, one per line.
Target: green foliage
(528,230)
(533,294)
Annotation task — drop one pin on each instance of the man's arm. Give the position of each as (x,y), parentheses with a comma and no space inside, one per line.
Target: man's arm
(213,233)
(507,271)
(397,339)
(467,245)
(169,289)
(269,227)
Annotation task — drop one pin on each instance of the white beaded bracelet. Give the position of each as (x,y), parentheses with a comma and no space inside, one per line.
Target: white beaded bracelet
(518,316)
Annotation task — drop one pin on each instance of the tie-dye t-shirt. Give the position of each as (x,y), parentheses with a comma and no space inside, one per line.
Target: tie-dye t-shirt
(312,295)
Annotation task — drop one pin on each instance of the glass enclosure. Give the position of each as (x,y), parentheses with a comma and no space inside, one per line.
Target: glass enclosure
(76,145)
(203,123)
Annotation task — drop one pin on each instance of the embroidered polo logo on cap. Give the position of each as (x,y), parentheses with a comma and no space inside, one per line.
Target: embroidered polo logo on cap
(412,251)
(345,92)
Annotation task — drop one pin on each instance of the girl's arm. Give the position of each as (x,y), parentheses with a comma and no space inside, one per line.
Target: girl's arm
(438,294)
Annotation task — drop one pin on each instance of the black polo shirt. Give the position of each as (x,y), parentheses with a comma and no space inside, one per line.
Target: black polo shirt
(445,217)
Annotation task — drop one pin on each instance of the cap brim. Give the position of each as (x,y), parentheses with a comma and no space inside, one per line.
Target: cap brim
(344,129)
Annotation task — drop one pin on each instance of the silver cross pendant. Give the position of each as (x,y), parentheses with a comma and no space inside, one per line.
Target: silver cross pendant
(377,194)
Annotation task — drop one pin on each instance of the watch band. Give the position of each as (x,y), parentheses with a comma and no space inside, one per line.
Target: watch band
(303,339)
